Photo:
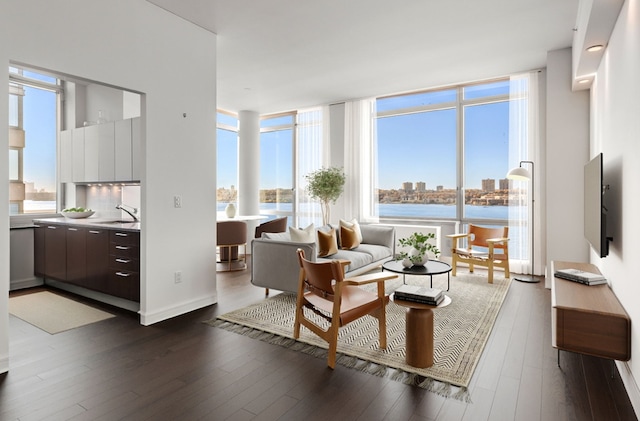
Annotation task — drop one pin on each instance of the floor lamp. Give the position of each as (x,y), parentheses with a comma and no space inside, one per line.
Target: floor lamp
(521,173)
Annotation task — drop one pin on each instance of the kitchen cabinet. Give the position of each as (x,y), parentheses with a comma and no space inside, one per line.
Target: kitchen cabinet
(55,252)
(38,250)
(77,141)
(91,153)
(99,259)
(136,148)
(123,150)
(124,264)
(108,152)
(76,268)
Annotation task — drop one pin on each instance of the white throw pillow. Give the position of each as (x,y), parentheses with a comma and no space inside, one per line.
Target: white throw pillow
(353,225)
(303,235)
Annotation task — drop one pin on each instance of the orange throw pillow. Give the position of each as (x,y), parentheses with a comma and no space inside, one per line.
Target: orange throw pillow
(327,243)
(348,238)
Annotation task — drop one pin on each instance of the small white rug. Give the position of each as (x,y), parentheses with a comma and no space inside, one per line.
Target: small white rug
(54,313)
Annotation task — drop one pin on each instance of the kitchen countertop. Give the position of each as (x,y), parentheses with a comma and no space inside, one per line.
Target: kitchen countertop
(106,223)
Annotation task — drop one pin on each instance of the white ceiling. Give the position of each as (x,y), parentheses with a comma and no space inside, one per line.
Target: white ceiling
(280,55)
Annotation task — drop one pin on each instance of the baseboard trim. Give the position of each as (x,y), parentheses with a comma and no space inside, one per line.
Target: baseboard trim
(149,318)
(25,283)
(630,384)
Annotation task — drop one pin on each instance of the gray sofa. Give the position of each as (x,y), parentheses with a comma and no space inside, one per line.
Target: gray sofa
(274,263)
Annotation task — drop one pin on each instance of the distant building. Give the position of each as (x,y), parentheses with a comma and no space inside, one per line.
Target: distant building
(439,188)
(489,185)
(504,184)
(407,186)
(421,186)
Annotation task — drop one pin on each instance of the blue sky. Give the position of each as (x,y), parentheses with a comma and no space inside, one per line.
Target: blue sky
(40,127)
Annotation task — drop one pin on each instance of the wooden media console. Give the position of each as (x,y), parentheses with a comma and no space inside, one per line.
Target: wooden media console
(588,319)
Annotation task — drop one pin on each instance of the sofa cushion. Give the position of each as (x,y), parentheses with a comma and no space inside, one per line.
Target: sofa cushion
(327,243)
(302,235)
(374,251)
(276,236)
(348,238)
(354,225)
(357,259)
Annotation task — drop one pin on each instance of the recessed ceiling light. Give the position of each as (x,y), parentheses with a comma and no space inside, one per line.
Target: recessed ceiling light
(583,81)
(595,48)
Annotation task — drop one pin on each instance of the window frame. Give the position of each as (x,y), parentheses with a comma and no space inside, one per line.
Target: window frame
(16,77)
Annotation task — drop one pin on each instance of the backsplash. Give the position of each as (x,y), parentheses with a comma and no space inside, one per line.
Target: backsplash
(103,199)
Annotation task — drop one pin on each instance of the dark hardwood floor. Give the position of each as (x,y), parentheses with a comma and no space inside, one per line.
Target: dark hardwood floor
(182,369)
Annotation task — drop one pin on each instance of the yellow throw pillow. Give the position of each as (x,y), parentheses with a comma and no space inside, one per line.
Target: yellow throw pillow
(327,243)
(348,238)
(354,225)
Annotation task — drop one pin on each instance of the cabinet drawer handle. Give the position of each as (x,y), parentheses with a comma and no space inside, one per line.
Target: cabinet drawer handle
(124,275)
(122,247)
(72,229)
(94,232)
(123,261)
(121,234)
(52,228)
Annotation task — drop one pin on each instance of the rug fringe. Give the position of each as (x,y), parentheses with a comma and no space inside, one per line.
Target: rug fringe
(435,386)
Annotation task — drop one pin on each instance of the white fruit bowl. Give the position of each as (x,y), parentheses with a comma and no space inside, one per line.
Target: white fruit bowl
(77,215)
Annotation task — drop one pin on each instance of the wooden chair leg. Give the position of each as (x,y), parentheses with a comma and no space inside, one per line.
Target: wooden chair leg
(333,346)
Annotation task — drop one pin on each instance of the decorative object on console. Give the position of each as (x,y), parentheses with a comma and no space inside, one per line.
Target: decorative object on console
(230,210)
(522,174)
(420,246)
(326,185)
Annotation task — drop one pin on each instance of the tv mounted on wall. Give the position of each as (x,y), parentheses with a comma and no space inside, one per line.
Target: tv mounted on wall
(595,213)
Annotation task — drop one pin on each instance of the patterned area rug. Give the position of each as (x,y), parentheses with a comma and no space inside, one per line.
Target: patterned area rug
(460,333)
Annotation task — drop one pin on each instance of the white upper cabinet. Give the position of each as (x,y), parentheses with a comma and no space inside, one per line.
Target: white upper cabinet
(123,151)
(77,136)
(107,152)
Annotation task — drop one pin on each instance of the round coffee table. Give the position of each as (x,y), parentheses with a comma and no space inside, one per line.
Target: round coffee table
(432,267)
(419,331)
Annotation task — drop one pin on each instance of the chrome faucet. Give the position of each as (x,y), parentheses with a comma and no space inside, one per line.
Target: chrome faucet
(135,210)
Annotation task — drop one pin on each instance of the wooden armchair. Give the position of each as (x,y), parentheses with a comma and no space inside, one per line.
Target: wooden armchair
(324,291)
(486,247)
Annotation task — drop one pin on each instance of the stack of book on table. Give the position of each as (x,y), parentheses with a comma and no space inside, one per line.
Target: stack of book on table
(577,275)
(419,294)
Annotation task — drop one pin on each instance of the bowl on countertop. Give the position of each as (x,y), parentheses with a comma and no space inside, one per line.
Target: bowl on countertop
(77,215)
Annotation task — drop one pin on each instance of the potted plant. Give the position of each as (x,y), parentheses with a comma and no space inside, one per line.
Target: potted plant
(420,246)
(326,185)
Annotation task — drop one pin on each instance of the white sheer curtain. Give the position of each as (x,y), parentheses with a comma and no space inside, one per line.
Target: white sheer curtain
(360,161)
(312,152)
(523,144)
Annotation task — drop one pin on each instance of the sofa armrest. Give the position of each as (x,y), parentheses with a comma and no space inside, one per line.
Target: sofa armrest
(274,264)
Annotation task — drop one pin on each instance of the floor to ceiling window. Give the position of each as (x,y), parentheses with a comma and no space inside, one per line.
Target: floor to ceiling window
(277,140)
(444,155)
(33,127)
(227,159)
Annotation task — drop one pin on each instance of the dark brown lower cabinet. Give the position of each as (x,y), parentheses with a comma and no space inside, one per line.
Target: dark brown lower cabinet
(97,277)
(101,260)
(76,255)
(124,264)
(55,252)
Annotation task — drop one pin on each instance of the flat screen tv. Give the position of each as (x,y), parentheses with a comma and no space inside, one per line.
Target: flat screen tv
(595,213)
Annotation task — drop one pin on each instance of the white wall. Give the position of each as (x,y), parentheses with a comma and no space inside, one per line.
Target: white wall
(615,131)
(567,150)
(137,46)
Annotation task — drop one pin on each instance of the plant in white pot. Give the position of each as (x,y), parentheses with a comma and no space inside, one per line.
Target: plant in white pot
(326,185)
(419,248)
